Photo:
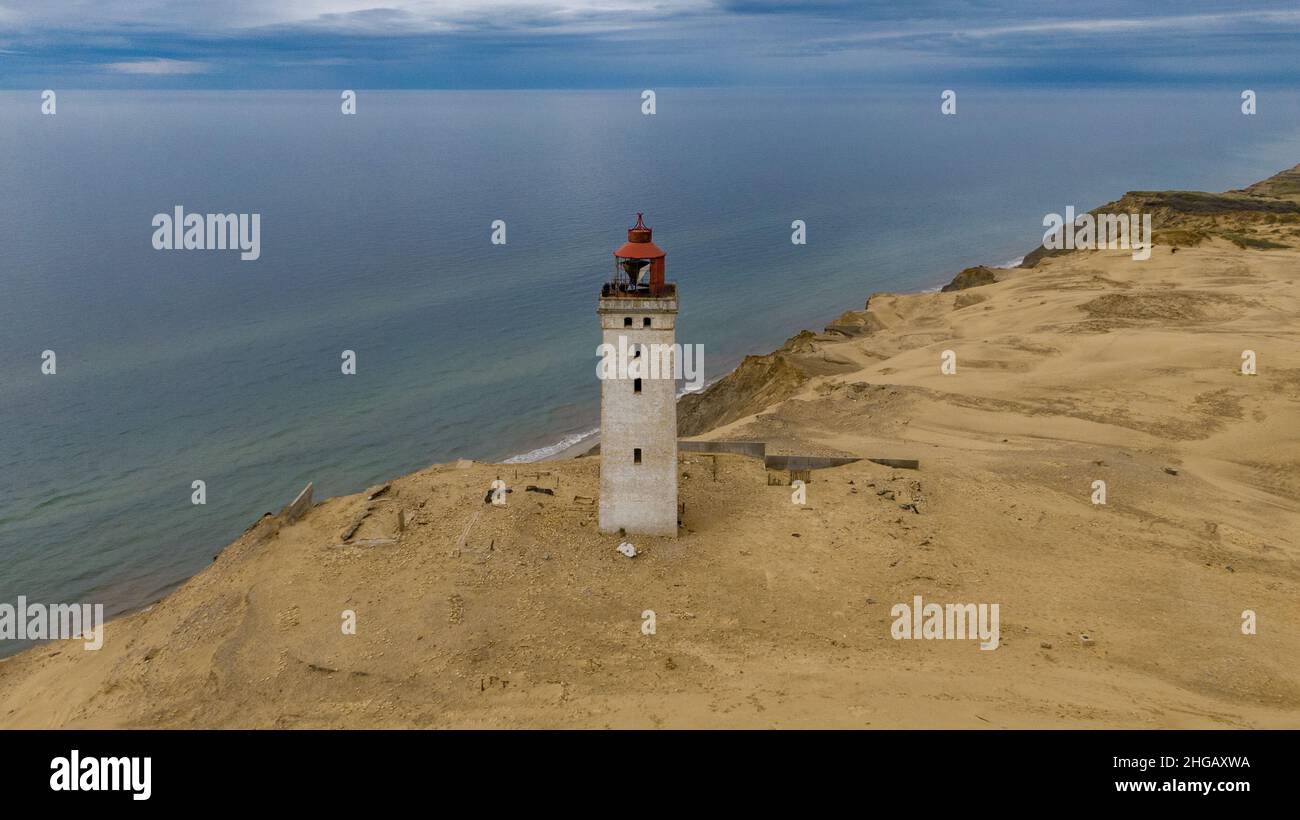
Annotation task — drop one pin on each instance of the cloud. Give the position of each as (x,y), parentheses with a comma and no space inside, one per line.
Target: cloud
(359,17)
(620,43)
(159,66)
(1093,26)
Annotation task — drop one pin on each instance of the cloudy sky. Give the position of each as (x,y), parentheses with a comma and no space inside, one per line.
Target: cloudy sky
(626,43)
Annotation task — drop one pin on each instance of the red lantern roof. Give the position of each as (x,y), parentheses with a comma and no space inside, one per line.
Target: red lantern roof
(638,244)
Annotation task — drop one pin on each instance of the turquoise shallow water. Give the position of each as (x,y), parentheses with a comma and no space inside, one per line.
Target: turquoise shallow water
(175,365)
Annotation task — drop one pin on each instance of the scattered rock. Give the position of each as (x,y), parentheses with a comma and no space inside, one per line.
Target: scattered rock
(627,549)
(1171,470)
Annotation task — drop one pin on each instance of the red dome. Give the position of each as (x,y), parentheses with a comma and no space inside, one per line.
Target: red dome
(638,244)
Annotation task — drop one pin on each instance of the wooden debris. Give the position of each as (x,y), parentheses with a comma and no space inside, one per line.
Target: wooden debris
(356,524)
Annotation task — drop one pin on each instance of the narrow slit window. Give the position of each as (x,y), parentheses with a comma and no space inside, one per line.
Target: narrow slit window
(636,385)
(636,455)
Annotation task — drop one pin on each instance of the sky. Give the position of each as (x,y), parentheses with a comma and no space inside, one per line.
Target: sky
(472,44)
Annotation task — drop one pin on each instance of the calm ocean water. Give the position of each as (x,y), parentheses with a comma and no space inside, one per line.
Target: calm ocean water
(183,365)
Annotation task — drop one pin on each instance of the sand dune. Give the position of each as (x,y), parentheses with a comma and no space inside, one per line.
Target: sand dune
(1081,366)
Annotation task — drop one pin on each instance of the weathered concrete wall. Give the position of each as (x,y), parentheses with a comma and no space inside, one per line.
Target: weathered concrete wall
(753,449)
(758,449)
(805,462)
(639,498)
(299,506)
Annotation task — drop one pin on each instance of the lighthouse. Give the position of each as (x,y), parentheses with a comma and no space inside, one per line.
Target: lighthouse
(638,404)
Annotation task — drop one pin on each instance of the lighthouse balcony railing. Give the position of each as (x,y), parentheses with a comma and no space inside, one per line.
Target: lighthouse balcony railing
(613,290)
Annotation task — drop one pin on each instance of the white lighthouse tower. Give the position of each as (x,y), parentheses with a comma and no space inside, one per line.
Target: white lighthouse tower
(638,408)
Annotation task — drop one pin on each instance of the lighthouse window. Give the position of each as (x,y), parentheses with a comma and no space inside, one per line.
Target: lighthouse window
(636,385)
(627,321)
(636,456)
(645,322)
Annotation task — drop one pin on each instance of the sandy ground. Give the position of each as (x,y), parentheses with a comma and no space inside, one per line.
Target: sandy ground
(1089,366)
